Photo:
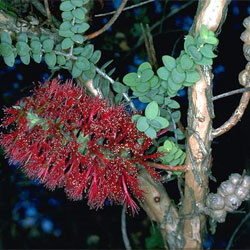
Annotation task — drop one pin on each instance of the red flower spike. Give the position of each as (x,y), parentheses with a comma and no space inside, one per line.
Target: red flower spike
(63,137)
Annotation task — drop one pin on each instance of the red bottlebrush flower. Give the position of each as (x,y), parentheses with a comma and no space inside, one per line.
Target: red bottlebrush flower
(65,138)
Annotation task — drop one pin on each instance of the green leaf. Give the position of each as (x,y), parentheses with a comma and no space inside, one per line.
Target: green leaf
(119,87)
(5,37)
(176,115)
(129,79)
(105,87)
(135,117)
(153,81)
(186,62)
(22,37)
(168,145)
(25,59)
(205,61)
(9,60)
(143,87)
(36,46)
(76,71)
(6,49)
(37,57)
(155,124)
(77,3)
(50,59)
(118,98)
(158,98)
(90,73)
(67,16)
(78,13)
(68,65)
(207,51)
(65,26)
(82,63)
(96,56)
(174,162)
(192,51)
(178,77)
(151,133)
(163,121)
(172,103)
(67,43)
(48,45)
(146,75)
(169,62)
(82,27)
(204,32)
(78,38)
(144,66)
(189,40)
(66,33)
(179,134)
(60,59)
(212,40)
(192,76)
(152,110)
(152,92)
(77,51)
(22,48)
(66,6)
(88,51)
(163,73)
(142,124)
(144,99)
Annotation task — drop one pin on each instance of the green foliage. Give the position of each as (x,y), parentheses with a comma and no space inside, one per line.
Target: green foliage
(154,241)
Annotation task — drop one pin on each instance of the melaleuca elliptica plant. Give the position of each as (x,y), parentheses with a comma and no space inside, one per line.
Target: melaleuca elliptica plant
(64,136)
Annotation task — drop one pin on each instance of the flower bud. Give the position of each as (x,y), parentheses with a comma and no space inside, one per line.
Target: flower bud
(242,193)
(246,182)
(226,188)
(215,201)
(246,23)
(219,215)
(235,178)
(232,202)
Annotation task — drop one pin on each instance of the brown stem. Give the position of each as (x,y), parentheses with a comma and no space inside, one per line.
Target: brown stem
(111,22)
(233,92)
(180,168)
(198,145)
(233,120)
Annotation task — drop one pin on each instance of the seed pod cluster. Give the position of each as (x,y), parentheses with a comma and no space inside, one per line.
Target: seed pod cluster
(230,194)
(244,76)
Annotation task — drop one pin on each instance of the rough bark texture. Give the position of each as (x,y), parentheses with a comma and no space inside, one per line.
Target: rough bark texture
(200,114)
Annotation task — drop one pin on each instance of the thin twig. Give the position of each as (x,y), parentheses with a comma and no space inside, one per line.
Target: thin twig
(124,229)
(180,168)
(127,8)
(233,120)
(46,4)
(233,92)
(109,23)
(236,230)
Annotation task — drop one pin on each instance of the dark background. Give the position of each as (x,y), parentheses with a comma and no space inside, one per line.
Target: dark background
(32,217)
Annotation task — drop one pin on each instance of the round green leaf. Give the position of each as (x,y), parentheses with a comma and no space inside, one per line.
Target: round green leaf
(5,37)
(212,40)
(151,133)
(155,124)
(144,66)
(25,59)
(76,71)
(152,92)
(60,59)
(204,32)
(152,110)
(66,6)
(22,48)
(78,13)
(176,115)
(50,59)
(6,49)
(82,27)
(205,61)
(36,46)
(163,121)
(178,77)
(10,59)
(67,16)
(66,33)
(192,76)
(207,51)
(129,79)
(96,56)
(186,62)
(37,57)
(146,75)
(153,81)
(135,117)
(189,40)
(193,52)
(119,87)
(143,87)
(67,43)
(144,99)
(48,45)
(82,63)
(77,3)
(78,38)
(77,51)
(90,73)
(163,73)
(65,26)
(22,37)
(169,62)
(168,145)
(88,51)
(142,124)
(158,98)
